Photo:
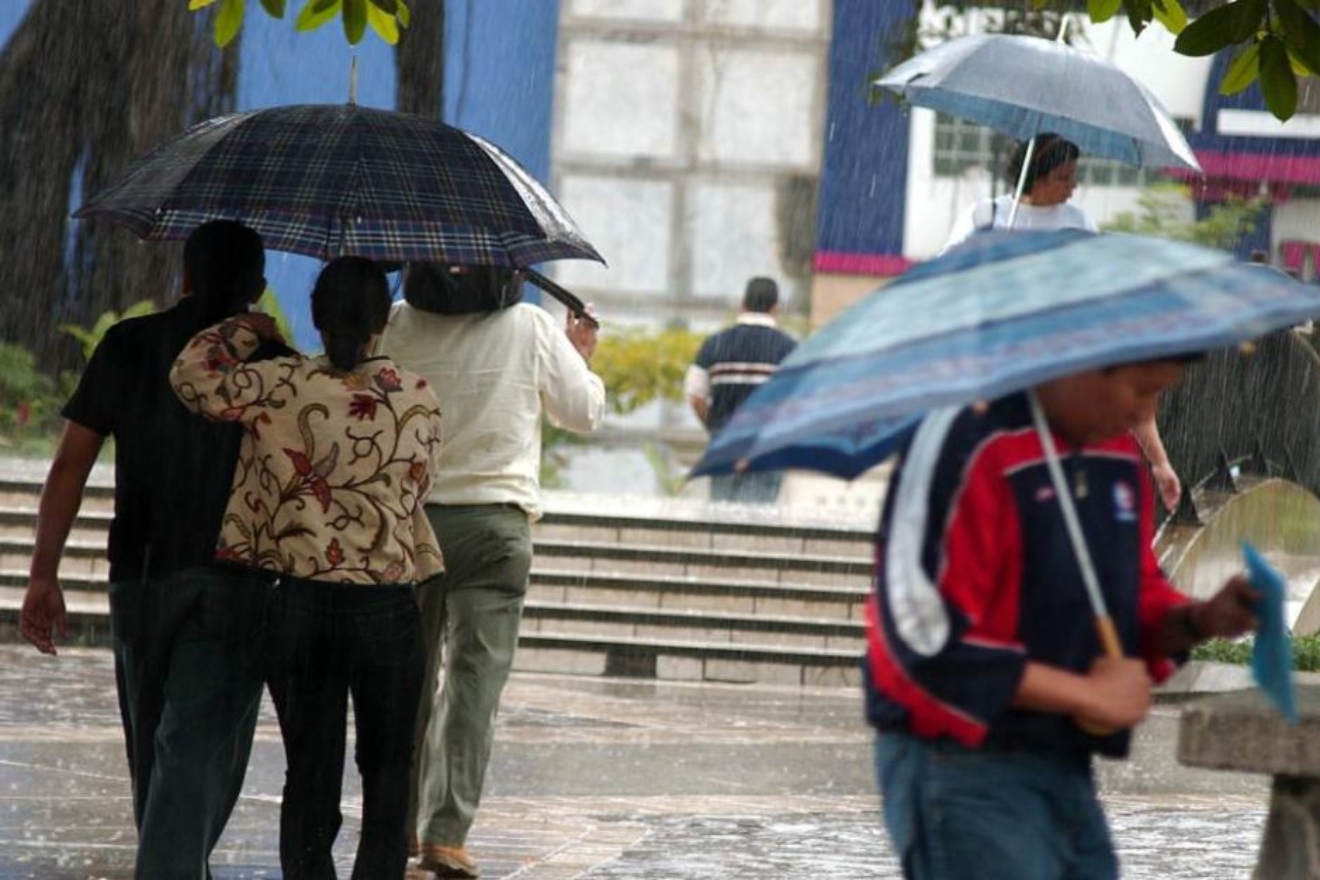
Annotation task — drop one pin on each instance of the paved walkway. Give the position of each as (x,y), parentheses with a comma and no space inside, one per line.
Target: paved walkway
(592,778)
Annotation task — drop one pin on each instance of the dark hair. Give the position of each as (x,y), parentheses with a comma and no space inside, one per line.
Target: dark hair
(461,290)
(762,295)
(350,302)
(225,264)
(1051,152)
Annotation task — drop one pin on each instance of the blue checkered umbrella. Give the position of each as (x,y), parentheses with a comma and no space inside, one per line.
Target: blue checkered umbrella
(1003,312)
(330,180)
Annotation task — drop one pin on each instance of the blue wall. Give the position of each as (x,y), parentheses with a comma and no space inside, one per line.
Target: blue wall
(863,188)
(499,83)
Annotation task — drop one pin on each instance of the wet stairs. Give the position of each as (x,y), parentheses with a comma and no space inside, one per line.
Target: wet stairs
(638,588)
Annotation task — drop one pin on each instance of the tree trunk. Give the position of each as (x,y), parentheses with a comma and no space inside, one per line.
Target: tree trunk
(85,88)
(419,61)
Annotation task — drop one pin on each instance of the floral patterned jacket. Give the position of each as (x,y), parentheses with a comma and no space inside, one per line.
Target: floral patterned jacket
(334,467)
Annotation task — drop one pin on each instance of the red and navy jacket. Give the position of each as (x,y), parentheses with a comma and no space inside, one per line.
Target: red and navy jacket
(975,576)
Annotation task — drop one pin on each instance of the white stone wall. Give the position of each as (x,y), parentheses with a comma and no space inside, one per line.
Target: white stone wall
(676,124)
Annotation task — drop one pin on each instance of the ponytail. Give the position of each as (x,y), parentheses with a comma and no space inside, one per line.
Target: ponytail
(344,349)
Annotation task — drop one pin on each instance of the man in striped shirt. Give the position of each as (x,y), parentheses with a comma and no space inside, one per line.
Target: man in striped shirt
(728,368)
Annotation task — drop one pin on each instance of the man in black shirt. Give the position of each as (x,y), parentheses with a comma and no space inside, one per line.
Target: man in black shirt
(186,649)
(728,368)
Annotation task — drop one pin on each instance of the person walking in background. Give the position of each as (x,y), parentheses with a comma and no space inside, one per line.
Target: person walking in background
(499,366)
(728,368)
(1048,184)
(326,505)
(187,660)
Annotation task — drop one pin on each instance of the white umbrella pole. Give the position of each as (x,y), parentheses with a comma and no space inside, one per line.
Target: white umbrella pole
(1021,181)
(1104,624)
(1031,145)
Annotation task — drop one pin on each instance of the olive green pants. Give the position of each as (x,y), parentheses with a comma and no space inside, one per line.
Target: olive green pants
(470,616)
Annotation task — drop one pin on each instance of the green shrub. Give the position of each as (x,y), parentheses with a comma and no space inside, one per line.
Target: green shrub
(29,399)
(1305,652)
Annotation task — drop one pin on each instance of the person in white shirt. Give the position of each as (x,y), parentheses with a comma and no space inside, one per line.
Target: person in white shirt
(496,365)
(1048,184)
(1046,189)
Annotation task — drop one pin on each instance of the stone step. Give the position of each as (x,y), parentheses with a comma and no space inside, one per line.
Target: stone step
(84,554)
(667,645)
(687,593)
(749,597)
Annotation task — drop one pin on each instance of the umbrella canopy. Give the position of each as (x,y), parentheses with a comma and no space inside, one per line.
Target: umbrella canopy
(336,179)
(1023,86)
(1000,313)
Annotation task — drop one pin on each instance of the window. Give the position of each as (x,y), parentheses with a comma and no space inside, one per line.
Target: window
(960,145)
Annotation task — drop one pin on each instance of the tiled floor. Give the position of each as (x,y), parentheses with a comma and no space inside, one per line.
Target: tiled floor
(592,778)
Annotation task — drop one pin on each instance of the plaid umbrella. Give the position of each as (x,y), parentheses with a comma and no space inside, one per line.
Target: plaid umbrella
(1002,312)
(335,179)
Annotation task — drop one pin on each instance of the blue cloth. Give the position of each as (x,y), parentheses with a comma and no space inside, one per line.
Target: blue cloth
(988,318)
(1271,657)
(954,812)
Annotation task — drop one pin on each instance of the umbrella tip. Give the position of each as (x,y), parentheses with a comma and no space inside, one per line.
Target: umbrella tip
(980,406)
(741,465)
(1247,348)
(352,80)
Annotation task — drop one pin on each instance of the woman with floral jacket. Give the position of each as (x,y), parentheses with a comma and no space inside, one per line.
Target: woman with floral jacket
(327,497)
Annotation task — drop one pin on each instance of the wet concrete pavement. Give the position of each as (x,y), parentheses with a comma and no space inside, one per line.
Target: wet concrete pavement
(592,778)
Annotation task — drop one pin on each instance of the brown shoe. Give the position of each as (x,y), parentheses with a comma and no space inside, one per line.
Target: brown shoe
(448,861)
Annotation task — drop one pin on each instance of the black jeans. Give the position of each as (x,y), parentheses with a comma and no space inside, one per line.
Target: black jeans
(188,668)
(327,642)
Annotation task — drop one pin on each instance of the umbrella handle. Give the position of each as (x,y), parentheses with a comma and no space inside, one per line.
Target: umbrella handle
(1110,645)
(563,294)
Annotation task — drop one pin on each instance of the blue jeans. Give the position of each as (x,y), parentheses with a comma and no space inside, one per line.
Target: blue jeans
(188,670)
(328,642)
(954,812)
(759,487)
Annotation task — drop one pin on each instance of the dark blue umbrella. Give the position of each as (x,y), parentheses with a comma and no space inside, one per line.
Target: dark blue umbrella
(330,180)
(1003,312)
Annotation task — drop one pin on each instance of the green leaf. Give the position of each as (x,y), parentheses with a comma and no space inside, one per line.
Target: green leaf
(1236,22)
(384,24)
(1301,33)
(270,304)
(194,5)
(274,7)
(1244,71)
(313,17)
(228,21)
(1139,12)
(405,14)
(1277,82)
(1171,14)
(355,20)
(1103,10)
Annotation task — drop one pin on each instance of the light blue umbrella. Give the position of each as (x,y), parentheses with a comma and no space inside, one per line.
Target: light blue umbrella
(1023,86)
(1000,313)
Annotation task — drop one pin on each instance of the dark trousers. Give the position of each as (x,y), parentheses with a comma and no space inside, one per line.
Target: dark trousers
(188,670)
(329,642)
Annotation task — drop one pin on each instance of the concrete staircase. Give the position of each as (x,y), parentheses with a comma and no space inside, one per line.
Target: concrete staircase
(634,587)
